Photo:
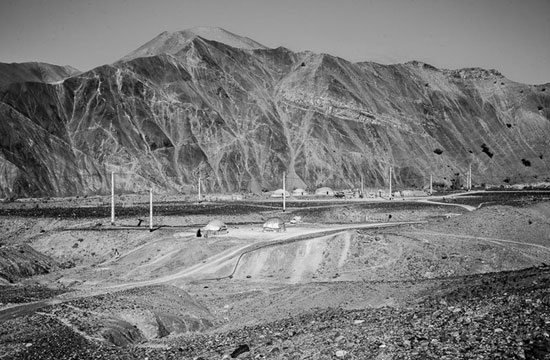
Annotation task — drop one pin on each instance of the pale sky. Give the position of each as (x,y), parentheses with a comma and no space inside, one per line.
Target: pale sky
(512,36)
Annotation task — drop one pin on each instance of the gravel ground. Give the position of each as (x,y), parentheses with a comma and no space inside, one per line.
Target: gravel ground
(492,316)
(500,315)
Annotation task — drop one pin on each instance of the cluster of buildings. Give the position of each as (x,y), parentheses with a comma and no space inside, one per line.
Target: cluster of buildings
(349,194)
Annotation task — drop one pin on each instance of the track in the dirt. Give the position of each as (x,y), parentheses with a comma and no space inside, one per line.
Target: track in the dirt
(274,243)
(29,308)
(238,253)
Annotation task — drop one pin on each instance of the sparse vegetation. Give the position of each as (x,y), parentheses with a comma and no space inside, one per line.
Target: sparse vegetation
(486,150)
(439,185)
(438,151)
(456,182)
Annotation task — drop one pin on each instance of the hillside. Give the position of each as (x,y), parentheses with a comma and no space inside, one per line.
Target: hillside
(33,72)
(205,102)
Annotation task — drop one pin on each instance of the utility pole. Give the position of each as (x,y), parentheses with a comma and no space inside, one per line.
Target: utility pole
(390,185)
(199,188)
(112,198)
(431,186)
(362,188)
(284,192)
(469,177)
(151,209)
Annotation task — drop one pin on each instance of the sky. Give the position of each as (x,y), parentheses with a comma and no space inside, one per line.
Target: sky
(511,36)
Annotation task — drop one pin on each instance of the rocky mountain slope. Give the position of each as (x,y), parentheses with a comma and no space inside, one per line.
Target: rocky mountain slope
(33,72)
(207,103)
(19,261)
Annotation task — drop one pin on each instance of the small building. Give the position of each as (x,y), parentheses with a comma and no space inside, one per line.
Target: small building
(296,220)
(214,227)
(299,192)
(413,193)
(274,224)
(279,193)
(326,191)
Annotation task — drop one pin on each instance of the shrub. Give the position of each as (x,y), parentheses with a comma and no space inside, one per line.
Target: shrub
(486,150)
(456,184)
(438,186)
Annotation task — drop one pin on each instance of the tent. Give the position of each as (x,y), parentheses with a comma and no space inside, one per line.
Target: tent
(214,227)
(299,192)
(324,191)
(274,224)
(279,193)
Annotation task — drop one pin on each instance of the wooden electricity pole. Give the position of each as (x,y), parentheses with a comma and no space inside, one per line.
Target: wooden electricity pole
(151,209)
(284,192)
(199,185)
(390,185)
(469,177)
(112,198)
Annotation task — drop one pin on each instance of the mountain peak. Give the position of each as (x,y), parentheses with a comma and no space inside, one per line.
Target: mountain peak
(172,42)
(224,36)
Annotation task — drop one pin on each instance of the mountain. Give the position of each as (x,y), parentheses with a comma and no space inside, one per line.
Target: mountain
(172,43)
(33,72)
(205,102)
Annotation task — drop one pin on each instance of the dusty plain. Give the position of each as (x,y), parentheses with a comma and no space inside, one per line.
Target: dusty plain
(445,277)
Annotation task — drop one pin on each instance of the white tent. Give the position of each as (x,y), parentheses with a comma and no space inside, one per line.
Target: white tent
(214,227)
(279,193)
(299,192)
(324,191)
(274,224)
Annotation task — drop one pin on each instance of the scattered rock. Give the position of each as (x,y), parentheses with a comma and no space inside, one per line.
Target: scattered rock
(240,350)
(341,354)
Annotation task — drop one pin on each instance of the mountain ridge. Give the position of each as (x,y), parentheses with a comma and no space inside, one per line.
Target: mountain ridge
(34,72)
(173,42)
(240,118)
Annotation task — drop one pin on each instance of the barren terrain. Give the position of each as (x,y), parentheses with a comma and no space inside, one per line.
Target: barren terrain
(460,276)
(207,105)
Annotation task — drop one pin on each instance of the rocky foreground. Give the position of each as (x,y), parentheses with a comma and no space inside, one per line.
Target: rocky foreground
(502,315)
